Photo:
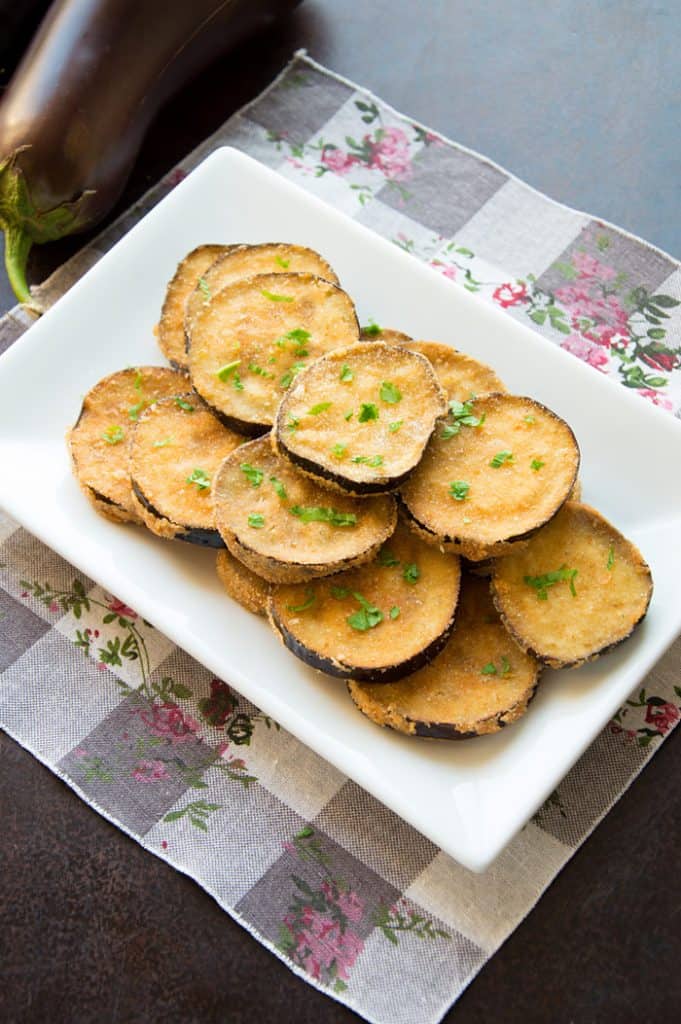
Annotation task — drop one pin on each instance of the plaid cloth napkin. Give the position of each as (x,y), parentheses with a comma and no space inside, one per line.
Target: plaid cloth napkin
(345,893)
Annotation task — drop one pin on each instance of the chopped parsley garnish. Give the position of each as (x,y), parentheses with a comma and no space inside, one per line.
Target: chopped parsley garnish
(387,558)
(490,669)
(253,475)
(369,460)
(290,375)
(204,288)
(458,489)
(346,374)
(368,411)
(372,329)
(310,599)
(505,665)
(500,458)
(282,262)
(316,514)
(165,442)
(113,435)
(319,408)
(393,427)
(138,381)
(463,416)
(348,415)
(366,617)
(548,579)
(299,336)
(226,371)
(273,297)
(181,403)
(340,593)
(611,558)
(258,370)
(529,419)
(279,488)
(467,520)
(537,464)
(390,393)
(135,410)
(256,520)
(292,424)
(394,612)
(200,478)
(411,573)
(339,450)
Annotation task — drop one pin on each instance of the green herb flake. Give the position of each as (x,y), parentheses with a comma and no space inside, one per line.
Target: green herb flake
(256,520)
(467,520)
(340,593)
(368,411)
(292,424)
(319,408)
(139,380)
(165,442)
(500,459)
(284,264)
(529,419)
(458,489)
(135,410)
(258,370)
(387,558)
(279,488)
(390,393)
(339,450)
(113,435)
(226,371)
(490,669)
(316,514)
(346,374)
(273,297)
(253,475)
(347,416)
(450,430)
(411,573)
(181,403)
(200,478)
(310,600)
(463,415)
(204,288)
(536,465)
(548,579)
(368,460)
(395,426)
(611,558)
(372,329)
(287,378)
(367,617)
(505,666)
(394,612)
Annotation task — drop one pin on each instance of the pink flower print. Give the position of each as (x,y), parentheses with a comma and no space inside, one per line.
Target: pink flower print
(164,844)
(352,905)
(507,295)
(321,943)
(587,351)
(222,749)
(445,269)
(389,153)
(54,607)
(121,609)
(80,752)
(150,771)
(590,267)
(336,160)
(175,177)
(656,398)
(169,722)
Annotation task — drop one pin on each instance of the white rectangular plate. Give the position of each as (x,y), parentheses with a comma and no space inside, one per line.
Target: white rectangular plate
(469,798)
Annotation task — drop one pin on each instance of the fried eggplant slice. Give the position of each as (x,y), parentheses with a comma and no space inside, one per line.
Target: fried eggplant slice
(287,528)
(175,451)
(496,470)
(99,440)
(480,682)
(253,338)
(359,419)
(576,590)
(388,335)
(375,623)
(248,261)
(170,328)
(461,376)
(244,586)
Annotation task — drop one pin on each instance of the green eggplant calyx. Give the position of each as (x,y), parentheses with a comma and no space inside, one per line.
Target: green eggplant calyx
(24,225)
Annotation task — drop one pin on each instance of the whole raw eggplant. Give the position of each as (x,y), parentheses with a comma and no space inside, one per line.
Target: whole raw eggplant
(80,102)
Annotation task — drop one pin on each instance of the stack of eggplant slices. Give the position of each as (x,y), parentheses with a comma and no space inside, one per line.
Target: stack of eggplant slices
(404,522)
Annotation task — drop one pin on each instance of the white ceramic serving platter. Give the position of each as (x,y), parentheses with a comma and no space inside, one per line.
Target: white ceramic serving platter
(470,798)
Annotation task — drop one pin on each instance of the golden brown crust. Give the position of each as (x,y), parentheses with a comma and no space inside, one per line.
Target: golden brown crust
(578,589)
(409,594)
(480,490)
(461,376)
(479,683)
(247,588)
(359,418)
(255,335)
(170,328)
(244,261)
(387,335)
(255,492)
(99,440)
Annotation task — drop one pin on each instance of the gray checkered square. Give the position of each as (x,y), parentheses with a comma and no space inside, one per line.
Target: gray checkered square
(304,101)
(19,629)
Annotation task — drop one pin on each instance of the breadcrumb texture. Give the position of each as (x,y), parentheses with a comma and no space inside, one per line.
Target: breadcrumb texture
(244,586)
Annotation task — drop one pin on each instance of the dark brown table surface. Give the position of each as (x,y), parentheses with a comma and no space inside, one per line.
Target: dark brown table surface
(582,100)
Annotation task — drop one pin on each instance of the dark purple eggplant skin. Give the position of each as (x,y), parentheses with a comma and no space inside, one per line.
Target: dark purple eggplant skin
(80,102)
(200,535)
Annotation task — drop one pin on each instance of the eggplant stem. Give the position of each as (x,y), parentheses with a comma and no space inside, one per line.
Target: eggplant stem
(18,244)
